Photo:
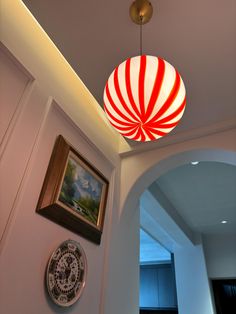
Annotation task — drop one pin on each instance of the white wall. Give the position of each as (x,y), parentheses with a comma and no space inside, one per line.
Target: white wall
(28,239)
(50,100)
(220,252)
(193,292)
(122,292)
(54,101)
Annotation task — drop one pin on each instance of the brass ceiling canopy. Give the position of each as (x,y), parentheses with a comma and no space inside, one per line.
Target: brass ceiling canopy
(141,11)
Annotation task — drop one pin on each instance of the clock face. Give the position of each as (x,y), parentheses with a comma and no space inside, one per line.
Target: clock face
(66,273)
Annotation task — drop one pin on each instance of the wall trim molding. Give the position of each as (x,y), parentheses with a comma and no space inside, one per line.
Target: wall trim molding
(22,102)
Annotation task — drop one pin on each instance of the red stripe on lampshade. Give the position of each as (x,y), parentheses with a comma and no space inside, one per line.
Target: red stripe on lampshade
(127,128)
(173,114)
(141,82)
(170,99)
(155,131)
(115,107)
(112,117)
(156,88)
(129,90)
(163,126)
(121,99)
(131,133)
(149,134)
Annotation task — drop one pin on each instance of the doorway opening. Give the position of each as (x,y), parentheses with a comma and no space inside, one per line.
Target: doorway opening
(157,277)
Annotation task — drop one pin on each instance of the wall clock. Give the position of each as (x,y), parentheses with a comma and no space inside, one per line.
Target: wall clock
(66,273)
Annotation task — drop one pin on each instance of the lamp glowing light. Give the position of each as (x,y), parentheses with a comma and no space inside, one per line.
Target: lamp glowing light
(144,98)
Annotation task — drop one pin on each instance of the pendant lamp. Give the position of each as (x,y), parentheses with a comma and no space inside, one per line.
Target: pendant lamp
(144,97)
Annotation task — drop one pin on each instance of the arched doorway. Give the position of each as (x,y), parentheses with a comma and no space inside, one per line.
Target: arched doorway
(125,243)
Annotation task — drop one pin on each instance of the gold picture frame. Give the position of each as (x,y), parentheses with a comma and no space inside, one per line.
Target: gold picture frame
(74,193)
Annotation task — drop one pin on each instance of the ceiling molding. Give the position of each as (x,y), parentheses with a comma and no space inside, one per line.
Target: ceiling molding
(166,204)
(162,225)
(177,138)
(153,228)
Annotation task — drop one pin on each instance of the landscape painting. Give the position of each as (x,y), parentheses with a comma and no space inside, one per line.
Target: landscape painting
(81,190)
(74,192)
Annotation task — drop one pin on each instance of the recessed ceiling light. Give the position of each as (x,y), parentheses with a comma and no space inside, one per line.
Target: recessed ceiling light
(194,163)
(224,221)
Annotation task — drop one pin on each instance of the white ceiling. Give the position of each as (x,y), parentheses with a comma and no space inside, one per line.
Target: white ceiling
(204,195)
(151,251)
(185,202)
(199,39)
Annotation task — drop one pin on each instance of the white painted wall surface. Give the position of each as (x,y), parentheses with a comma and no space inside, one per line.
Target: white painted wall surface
(28,238)
(220,253)
(193,292)
(122,292)
(14,85)
(57,102)
(32,121)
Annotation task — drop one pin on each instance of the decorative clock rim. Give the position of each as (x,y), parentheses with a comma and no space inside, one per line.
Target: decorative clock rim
(82,282)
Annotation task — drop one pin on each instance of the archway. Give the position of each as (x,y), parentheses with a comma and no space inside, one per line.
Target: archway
(138,172)
(190,296)
(170,161)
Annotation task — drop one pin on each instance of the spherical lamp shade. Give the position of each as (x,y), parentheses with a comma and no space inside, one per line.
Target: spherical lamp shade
(144,98)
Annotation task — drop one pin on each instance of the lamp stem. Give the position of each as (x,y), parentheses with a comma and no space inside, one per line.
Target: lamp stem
(140,12)
(141,35)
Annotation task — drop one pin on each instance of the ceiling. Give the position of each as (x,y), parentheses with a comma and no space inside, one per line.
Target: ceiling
(152,252)
(204,195)
(199,39)
(183,203)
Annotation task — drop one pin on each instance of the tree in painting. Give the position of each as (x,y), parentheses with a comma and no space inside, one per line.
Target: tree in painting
(81,191)
(68,188)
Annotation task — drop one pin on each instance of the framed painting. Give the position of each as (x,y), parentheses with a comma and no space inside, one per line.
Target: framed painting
(74,193)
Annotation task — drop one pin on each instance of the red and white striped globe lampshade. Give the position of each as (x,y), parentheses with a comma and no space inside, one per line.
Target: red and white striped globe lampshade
(144,98)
